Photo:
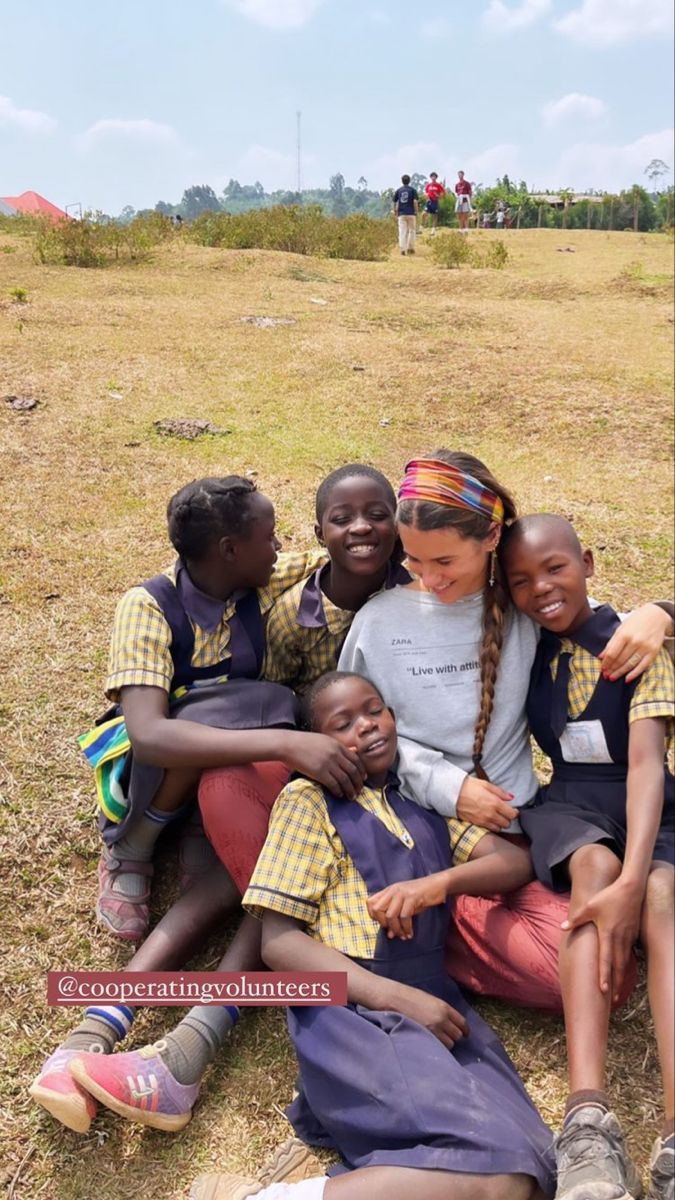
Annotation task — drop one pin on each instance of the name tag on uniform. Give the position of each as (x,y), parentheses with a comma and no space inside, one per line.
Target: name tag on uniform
(585,742)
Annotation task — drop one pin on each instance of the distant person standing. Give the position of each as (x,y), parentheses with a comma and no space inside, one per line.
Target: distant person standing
(406,208)
(463,192)
(433,190)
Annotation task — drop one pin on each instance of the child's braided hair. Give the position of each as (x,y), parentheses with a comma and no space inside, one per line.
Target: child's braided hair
(208,509)
(426,515)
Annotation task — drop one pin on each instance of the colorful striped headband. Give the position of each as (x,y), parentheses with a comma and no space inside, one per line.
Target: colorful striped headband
(433,480)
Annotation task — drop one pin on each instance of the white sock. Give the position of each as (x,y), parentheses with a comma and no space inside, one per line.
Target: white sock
(309,1189)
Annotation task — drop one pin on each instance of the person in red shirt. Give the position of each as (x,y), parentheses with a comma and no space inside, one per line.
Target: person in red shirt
(433,190)
(463,192)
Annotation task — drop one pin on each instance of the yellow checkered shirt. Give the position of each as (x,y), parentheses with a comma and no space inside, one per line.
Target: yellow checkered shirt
(139,649)
(296,655)
(654,695)
(305,872)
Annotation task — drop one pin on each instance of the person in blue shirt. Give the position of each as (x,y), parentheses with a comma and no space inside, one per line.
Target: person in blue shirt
(406,207)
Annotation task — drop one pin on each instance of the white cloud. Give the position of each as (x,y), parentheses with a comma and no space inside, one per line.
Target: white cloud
(276,14)
(141,131)
(596,164)
(609,22)
(25,118)
(502,18)
(378,17)
(502,159)
(575,106)
(436,27)
(275,169)
(421,157)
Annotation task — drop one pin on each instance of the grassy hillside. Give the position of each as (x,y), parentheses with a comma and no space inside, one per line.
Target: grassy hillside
(557,371)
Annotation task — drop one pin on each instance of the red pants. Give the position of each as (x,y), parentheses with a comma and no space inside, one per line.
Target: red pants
(505,947)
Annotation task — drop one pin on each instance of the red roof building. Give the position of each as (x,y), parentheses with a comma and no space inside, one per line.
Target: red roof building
(35,205)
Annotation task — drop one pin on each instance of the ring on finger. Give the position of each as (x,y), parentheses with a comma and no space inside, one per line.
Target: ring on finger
(634,659)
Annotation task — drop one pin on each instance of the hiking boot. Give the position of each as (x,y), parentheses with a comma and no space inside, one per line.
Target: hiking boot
(56,1090)
(662,1171)
(138,1085)
(127,917)
(592,1160)
(224,1187)
(290,1163)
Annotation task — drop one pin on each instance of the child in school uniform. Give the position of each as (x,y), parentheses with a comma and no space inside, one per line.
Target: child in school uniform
(356,525)
(306,625)
(177,640)
(604,825)
(406,1083)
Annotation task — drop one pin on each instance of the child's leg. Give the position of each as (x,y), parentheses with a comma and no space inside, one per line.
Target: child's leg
(125,868)
(400,1183)
(590,1152)
(658,938)
(158,1084)
(586,1008)
(176,937)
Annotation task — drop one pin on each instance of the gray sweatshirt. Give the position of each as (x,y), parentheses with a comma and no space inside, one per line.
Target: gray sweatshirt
(422,655)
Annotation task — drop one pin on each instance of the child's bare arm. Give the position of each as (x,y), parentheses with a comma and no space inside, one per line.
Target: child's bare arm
(166,743)
(286,947)
(617,909)
(495,866)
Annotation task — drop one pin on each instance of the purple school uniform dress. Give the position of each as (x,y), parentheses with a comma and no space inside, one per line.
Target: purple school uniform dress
(380,1089)
(244,701)
(585,802)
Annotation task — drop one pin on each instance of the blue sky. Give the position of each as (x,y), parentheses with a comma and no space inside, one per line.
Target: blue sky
(133,101)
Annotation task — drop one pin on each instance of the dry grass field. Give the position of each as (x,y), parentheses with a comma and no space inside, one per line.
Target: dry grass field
(557,371)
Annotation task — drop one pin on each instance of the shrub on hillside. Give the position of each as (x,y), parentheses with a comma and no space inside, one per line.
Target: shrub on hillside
(88,243)
(297,230)
(457,250)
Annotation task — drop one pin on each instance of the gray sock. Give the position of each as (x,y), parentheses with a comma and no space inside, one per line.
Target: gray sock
(101,1031)
(196,1041)
(138,845)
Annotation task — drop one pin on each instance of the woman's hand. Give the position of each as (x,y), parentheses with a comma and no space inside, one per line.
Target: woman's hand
(615,912)
(322,758)
(484,804)
(433,1014)
(396,905)
(636,643)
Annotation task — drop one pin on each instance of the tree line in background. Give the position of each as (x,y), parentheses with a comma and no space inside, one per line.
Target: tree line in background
(634,208)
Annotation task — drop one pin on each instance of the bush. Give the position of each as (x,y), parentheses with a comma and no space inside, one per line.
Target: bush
(451,250)
(88,243)
(458,250)
(297,230)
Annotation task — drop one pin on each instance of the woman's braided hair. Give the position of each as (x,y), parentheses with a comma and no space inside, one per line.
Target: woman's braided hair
(208,509)
(425,515)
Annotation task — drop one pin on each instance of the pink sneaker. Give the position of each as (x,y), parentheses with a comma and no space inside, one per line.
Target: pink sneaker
(56,1090)
(138,1085)
(127,917)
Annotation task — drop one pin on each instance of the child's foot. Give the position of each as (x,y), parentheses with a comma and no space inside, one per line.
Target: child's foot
(290,1163)
(56,1090)
(139,1086)
(122,909)
(592,1160)
(662,1171)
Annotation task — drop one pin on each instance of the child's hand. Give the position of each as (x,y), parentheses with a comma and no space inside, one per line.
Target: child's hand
(485,804)
(322,758)
(439,1018)
(636,643)
(396,905)
(615,912)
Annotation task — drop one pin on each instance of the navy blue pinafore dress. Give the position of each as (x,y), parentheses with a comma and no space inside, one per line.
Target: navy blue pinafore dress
(585,802)
(244,702)
(380,1089)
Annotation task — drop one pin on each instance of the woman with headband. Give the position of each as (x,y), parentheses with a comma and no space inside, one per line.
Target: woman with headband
(453,658)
